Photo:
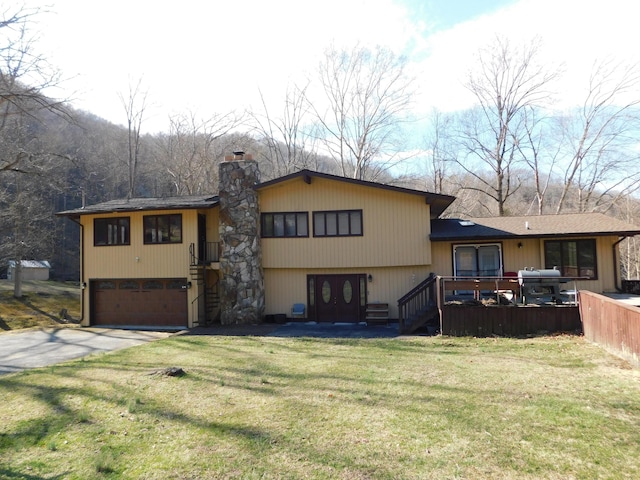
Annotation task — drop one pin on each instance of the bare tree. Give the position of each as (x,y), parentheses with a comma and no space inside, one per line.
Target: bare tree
(507,84)
(630,247)
(24,77)
(188,153)
(135,105)
(539,152)
(441,152)
(289,141)
(368,94)
(602,140)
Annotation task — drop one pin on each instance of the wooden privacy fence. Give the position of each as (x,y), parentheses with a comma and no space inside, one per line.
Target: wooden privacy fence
(611,324)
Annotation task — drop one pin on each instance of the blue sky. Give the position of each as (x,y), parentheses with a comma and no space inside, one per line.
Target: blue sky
(445,14)
(216,56)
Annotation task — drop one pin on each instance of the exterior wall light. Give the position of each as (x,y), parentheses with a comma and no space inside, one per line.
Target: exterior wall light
(370,278)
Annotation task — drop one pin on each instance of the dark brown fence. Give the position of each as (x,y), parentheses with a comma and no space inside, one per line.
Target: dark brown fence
(611,324)
(510,321)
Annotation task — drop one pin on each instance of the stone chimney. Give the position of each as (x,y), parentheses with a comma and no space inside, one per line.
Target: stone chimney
(242,284)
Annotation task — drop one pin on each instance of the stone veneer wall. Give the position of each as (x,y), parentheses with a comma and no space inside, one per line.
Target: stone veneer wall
(242,284)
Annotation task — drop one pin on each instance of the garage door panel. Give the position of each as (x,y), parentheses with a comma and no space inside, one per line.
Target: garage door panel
(144,302)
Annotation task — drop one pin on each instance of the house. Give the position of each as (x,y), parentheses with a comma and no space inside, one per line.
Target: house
(31,269)
(578,245)
(340,248)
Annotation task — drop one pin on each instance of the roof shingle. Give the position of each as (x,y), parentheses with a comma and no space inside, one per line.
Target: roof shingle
(135,204)
(493,228)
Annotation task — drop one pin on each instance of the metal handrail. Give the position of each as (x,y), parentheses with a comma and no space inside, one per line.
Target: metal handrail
(211,254)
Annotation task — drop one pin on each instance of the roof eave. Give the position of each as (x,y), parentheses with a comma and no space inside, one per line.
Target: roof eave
(124,209)
(514,236)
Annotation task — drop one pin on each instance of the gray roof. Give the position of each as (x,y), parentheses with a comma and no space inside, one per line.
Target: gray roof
(31,264)
(495,228)
(139,204)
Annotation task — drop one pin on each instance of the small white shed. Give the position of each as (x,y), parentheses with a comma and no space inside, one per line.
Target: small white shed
(31,269)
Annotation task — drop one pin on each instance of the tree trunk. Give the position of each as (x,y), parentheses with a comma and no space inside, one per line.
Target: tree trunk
(17,280)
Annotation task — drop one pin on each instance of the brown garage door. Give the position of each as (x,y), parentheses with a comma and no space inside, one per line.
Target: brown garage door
(143,302)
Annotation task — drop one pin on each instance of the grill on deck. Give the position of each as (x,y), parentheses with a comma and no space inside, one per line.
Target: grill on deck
(541,286)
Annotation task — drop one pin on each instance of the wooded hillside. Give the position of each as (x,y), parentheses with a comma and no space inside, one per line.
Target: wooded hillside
(516,152)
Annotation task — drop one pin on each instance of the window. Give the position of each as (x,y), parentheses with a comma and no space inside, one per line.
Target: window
(111,231)
(340,223)
(288,224)
(163,228)
(574,258)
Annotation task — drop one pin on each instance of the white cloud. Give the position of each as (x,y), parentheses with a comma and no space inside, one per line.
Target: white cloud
(574,35)
(213,56)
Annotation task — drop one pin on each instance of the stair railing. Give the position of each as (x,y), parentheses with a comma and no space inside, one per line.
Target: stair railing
(418,302)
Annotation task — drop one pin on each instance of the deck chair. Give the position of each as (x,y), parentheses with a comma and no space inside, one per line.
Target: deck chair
(297,311)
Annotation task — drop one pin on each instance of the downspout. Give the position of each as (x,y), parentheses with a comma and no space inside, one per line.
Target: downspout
(616,264)
(83,285)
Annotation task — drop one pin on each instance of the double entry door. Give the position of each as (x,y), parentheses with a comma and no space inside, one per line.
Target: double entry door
(477,260)
(337,298)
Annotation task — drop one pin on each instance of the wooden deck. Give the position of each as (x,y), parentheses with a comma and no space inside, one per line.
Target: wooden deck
(508,321)
(495,310)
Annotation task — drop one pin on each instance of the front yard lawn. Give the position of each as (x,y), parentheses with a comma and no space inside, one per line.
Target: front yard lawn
(272,408)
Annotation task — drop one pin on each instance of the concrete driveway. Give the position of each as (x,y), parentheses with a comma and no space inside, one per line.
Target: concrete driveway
(39,348)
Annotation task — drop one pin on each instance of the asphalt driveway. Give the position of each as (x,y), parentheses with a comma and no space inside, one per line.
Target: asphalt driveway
(39,348)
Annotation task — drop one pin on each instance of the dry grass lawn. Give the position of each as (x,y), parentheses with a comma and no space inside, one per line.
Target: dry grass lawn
(283,408)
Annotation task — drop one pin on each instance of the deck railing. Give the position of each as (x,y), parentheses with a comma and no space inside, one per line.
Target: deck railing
(211,253)
(485,306)
(480,287)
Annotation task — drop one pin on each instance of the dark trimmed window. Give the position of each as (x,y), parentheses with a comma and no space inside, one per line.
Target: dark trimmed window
(162,229)
(574,258)
(338,223)
(111,231)
(285,224)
